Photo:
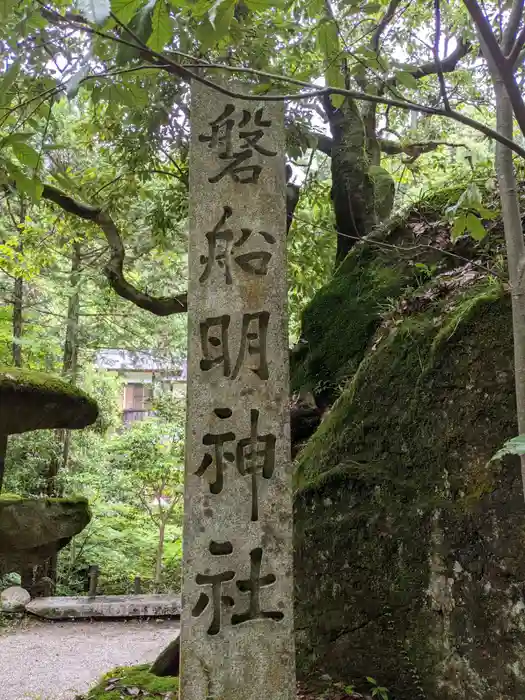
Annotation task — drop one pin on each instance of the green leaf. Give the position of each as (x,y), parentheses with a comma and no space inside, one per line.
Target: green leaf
(486,213)
(16,137)
(161,27)
(260,5)
(116,93)
(9,78)
(334,78)
(6,6)
(262,88)
(475,227)
(139,95)
(314,8)
(406,79)
(25,153)
(205,34)
(514,446)
(141,26)
(371,8)
(459,225)
(30,186)
(328,40)
(328,44)
(224,18)
(126,9)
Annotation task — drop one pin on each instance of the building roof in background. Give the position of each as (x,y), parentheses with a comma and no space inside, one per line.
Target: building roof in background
(142,361)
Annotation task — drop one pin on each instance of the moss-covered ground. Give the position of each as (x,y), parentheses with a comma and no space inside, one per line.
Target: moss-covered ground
(123,682)
(117,684)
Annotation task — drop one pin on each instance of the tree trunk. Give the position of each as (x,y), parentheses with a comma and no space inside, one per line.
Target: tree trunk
(352,188)
(70,358)
(69,371)
(18,301)
(168,661)
(69,368)
(515,248)
(3,450)
(514,242)
(160,553)
(372,144)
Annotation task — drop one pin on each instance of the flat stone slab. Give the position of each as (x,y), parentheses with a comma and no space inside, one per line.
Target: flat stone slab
(113,606)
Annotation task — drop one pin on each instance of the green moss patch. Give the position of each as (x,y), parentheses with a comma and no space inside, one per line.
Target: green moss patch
(118,683)
(397,262)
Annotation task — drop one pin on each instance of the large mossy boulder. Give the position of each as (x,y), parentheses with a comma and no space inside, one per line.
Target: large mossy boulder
(410,542)
(33,530)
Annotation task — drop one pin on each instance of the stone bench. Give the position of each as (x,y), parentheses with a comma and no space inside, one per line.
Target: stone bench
(105,606)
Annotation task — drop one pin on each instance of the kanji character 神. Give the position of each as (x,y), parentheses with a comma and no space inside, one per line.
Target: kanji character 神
(253,456)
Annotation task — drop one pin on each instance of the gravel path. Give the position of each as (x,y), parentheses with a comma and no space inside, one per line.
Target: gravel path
(56,661)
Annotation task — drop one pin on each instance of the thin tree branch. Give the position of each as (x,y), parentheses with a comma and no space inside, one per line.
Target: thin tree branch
(501,64)
(514,56)
(513,24)
(114,270)
(447,64)
(437,59)
(383,24)
(413,150)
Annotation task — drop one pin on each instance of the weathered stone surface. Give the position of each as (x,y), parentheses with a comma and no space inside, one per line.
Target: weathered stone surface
(409,542)
(58,608)
(237,618)
(14,599)
(32,530)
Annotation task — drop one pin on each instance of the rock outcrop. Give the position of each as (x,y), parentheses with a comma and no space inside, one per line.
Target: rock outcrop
(35,400)
(33,530)
(14,599)
(410,563)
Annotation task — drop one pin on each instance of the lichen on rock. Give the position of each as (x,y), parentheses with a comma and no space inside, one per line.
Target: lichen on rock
(409,540)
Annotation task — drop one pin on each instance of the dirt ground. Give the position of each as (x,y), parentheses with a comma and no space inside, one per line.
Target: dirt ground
(59,660)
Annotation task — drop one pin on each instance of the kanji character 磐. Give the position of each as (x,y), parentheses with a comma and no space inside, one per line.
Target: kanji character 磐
(222,136)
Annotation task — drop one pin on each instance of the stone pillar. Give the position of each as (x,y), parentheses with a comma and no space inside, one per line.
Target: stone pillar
(237,617)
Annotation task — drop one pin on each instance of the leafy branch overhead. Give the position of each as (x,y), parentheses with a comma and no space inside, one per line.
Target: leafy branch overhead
(350,76)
